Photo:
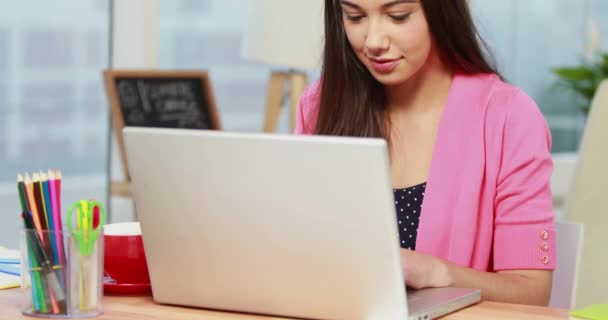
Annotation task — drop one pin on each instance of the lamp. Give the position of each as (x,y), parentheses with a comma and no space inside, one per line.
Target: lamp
(287,34)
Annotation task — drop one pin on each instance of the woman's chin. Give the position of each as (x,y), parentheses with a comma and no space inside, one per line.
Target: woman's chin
(390,79)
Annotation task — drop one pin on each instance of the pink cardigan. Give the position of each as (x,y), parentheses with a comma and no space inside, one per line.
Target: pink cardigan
(488,204)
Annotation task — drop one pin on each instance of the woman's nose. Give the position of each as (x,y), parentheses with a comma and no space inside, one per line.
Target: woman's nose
(376,40)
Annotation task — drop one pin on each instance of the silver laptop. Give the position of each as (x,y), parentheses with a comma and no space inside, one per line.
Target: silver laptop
(294,226)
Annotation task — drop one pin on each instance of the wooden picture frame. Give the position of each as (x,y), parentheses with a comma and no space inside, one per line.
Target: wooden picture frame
(111,78)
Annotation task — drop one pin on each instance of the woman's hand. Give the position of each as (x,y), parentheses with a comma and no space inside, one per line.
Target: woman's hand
(512,286)
(423,270)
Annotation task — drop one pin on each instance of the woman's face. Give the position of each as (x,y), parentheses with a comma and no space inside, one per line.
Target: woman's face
(391,38)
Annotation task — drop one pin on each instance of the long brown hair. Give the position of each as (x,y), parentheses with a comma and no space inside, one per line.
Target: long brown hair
(353,103)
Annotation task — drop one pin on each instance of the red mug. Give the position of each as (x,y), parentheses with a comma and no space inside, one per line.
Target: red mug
(124,256)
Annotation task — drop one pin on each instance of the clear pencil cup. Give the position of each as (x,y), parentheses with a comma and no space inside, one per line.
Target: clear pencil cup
(61,274)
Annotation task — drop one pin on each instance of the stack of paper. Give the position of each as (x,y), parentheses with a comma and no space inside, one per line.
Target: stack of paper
(10,268)
(8,281)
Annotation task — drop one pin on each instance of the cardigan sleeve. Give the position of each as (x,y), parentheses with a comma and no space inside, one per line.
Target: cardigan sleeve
(306,117)
(524,231)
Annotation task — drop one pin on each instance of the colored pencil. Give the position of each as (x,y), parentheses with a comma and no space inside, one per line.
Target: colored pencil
(37,283)
(44,223)
(35,276)
(57,307)
(45,263)
(40,199)
(58,193)
(49,214)
(29,187)
(56,218)
(42,216)
(22,196)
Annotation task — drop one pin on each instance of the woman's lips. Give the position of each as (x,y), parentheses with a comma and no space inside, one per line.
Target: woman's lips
(384,65)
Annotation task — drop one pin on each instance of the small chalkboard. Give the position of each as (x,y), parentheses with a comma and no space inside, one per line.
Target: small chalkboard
(160,99)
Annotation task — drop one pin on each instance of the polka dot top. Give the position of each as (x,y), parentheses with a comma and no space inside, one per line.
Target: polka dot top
(408,203)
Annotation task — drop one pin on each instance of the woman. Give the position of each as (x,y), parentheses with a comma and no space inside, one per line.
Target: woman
(470,154)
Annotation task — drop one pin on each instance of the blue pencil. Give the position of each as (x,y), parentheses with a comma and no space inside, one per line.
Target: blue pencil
(49,217)
(52,229)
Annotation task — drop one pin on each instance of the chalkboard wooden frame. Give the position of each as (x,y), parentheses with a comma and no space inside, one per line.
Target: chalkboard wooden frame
(118,121)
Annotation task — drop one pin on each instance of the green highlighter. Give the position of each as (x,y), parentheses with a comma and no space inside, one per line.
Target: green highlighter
(594,312)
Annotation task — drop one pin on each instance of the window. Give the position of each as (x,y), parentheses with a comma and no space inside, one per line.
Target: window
(206,35)
(53,112)
(3,58)
(529,39)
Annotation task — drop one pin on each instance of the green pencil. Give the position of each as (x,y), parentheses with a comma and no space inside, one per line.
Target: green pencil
(37,294)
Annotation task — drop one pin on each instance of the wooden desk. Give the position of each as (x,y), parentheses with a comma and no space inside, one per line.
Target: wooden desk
(143,308)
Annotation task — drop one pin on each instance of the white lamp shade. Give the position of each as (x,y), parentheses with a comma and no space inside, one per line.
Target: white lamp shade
(287,33)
